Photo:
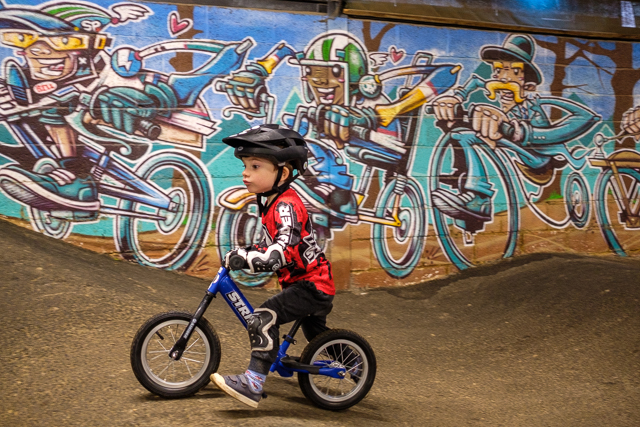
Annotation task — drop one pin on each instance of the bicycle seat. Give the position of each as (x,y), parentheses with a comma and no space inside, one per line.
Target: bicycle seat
(373,154)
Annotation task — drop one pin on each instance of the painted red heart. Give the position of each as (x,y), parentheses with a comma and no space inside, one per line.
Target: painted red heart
(178,26)
(396,54)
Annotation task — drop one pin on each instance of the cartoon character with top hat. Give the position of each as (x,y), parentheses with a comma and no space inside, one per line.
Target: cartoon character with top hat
(537,141)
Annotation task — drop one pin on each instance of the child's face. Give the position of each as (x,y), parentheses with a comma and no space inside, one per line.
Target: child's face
(259,174)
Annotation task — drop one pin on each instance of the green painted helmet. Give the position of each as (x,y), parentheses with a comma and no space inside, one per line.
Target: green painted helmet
(338,49)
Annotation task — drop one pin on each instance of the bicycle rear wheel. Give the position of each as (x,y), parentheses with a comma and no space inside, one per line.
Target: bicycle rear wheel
(164,376)
(338,348)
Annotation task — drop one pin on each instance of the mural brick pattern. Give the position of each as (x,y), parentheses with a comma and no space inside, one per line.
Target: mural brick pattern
(433,149)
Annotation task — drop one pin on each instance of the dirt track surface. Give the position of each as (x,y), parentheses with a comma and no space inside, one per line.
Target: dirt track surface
(549,340)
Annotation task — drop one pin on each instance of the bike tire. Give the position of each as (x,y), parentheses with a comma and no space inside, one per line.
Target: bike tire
(410,237)
(163,376)
(576,198)
(175,242)
(457,253)
(615,233)
(346,347)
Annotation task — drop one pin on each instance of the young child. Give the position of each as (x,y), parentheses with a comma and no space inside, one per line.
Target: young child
(271,155)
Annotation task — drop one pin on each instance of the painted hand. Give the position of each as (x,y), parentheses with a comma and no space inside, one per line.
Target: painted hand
(124,107)
(337,122)
(486,121)
(631,122)
(245,90)
(444,107)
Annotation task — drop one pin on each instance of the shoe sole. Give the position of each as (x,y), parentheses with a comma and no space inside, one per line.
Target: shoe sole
(450,208)
(37,197)
(303,193)
(222,385)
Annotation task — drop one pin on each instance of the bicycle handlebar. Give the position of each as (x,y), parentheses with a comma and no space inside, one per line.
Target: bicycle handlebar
(148,128)
(237,262)
(506,129)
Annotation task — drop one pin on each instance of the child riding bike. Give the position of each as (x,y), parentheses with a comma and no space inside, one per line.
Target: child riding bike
(271,154)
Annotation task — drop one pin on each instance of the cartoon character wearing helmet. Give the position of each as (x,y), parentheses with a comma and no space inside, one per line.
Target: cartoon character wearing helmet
(347,111)
(65,70)
(62,49)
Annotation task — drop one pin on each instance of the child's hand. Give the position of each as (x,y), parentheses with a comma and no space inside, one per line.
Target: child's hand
(231,259)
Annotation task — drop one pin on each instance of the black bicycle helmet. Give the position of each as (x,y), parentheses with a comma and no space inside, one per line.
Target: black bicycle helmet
(277,143)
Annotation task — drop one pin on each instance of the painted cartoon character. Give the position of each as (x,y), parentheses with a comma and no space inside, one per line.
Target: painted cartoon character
(106,132)
(346,110)
(66,67)
(62,48)
(534,138)
(346,117)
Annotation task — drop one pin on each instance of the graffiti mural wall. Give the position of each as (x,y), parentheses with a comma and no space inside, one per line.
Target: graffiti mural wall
(433,149)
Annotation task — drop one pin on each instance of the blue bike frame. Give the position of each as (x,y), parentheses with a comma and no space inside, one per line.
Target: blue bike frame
(284,365)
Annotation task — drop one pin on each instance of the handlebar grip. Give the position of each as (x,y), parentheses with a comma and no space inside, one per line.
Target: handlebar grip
(237,262)
(459,112)
(221,86)
(507,130)
(149,129)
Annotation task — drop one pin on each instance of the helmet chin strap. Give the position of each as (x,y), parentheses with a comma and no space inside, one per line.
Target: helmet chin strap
(274,190)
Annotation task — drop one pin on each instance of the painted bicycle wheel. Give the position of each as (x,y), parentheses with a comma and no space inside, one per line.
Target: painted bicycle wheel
(173,241)
(576,197)
(469,242)
(398,248)
(620,225)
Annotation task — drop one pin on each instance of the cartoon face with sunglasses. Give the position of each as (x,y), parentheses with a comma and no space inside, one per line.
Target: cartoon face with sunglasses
(54,57)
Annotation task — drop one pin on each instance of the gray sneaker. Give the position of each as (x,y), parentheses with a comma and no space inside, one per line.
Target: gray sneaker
(237,386)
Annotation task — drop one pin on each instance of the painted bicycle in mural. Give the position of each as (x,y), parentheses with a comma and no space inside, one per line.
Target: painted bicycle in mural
(345,112)
(489,157)
(103,131)
(617,194)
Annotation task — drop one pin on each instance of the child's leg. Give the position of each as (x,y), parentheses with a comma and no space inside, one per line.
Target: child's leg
(315,324)
(295,302)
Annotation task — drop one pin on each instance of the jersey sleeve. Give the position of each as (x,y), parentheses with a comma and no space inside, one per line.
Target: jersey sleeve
(282,251)
(289,229)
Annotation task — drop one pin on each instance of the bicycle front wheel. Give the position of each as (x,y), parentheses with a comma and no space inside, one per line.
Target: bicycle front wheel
(174,241)
(338,348)
(164,376)
(468,243)
(398,248)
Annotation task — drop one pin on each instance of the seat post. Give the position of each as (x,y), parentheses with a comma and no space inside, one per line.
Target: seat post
(294,329)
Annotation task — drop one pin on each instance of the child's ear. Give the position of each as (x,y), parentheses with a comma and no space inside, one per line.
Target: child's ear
(285,174)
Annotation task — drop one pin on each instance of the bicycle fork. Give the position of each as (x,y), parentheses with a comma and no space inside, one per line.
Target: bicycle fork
(223,284)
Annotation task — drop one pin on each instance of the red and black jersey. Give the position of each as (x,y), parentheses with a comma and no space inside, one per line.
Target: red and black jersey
(288,245)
